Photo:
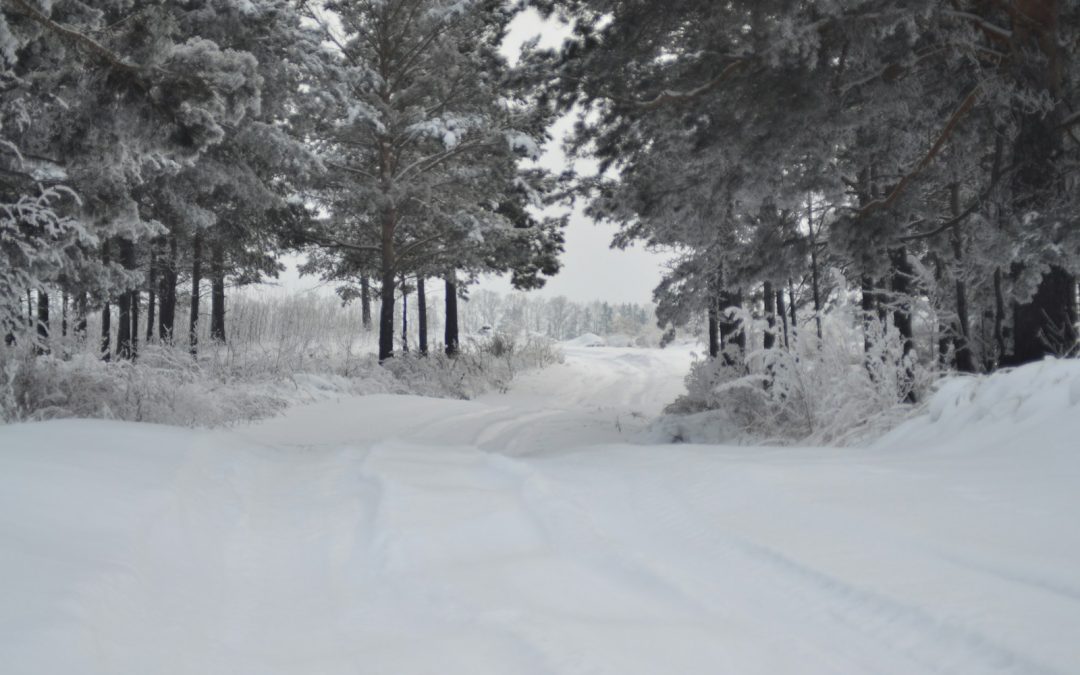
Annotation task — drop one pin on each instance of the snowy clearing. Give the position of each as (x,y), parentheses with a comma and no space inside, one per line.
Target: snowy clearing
(538,532)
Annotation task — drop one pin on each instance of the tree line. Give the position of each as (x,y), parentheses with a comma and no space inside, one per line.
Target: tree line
(148,150)
(921,149)
(558,318)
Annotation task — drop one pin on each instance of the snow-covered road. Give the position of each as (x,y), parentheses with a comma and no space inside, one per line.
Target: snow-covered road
(537,533)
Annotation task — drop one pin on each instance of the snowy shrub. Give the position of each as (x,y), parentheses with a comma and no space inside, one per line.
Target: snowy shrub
(830,391)
(482,364)
(163,387)
(245,380)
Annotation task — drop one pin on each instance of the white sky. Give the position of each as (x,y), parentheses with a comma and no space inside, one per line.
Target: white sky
(591,269)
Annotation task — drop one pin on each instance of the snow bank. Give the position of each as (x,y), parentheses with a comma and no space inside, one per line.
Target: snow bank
(1039,400)
(586,340)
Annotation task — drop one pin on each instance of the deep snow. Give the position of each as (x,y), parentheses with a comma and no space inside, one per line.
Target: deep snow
(537,532)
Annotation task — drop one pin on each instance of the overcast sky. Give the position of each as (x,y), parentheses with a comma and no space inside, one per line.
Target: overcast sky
(591,269)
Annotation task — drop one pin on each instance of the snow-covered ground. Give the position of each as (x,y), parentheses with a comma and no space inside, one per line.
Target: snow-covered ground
(538,532)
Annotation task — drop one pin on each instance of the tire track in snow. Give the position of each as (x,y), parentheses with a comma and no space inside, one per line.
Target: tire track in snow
(872,621)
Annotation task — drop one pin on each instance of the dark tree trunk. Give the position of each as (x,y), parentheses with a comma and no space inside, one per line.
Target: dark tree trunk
(781,311)
(389,272)
(714,329)
(167,294)
(30,320)
(135,298)
(965,360)
(815,282)
(715,299)
(124,333)
(196,282)
(43,318)
(130,262)
(451,328)
(732,332)
(770,316)
(869,310)
(106,316)
(63,313)
(902,277)
(217,295)
(794,317)
(1046,326)
(386,315)
(365,302)
(421,309)
(151,295)
(82,304)
(106,332)
(123,326)
(945,341)
(404,316)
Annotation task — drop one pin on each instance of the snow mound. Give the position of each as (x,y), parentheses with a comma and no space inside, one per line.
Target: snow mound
(1042,397)
(586,340)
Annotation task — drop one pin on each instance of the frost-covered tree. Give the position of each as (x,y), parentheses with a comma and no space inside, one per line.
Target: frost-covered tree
(916,146)
(423,137)
(113,97)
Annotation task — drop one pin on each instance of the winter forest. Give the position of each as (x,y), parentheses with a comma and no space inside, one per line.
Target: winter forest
(290,381)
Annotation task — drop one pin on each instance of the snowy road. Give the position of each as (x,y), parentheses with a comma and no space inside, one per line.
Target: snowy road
(536,533)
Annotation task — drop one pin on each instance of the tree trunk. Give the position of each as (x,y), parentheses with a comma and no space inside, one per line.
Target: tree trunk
(815,283)
(714,328)
(167,294)
(82,304)
(404,316)
(770,316)
(42,319)
(131,263)
(124,328)
(421,308)
(732,332)
(106,316)
(715,308)
(794,318)
(63,312)
(151,295)
(30,320)
(217,295)
(196,281)
(135,298)
(389,272)
(869,310)
(386,316)
(902,276)
(365,302)
(781,311)
(965,361)
(451,327)
(999,317)
(1046,326)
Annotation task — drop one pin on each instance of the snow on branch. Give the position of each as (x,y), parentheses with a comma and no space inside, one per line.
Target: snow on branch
(671,96)
(76,37)
(950,127)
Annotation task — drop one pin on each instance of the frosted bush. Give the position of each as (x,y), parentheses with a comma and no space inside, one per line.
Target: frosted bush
(830,391)
(243,381)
